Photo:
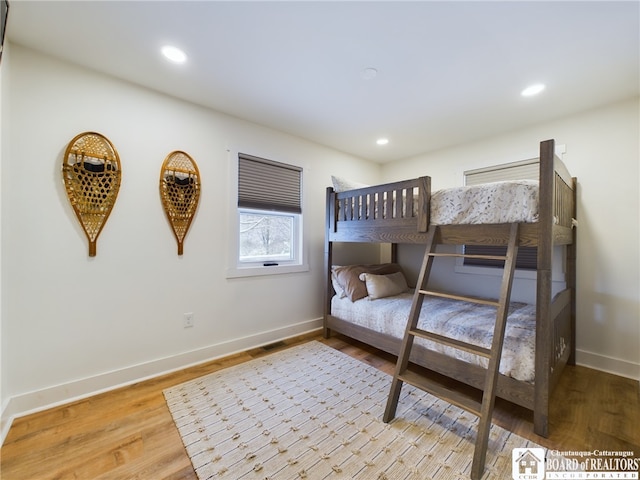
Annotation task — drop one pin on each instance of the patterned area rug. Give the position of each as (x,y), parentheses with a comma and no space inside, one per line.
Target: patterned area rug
(311,412)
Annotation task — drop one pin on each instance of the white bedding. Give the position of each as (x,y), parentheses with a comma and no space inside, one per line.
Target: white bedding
(497,202)
(461,320)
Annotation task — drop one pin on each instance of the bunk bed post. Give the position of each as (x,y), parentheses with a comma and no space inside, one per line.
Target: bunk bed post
(543,289)
(328,261)
(570,276)
(394,253)
(424,206)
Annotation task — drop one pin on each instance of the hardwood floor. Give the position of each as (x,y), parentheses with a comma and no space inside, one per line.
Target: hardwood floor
(129,433)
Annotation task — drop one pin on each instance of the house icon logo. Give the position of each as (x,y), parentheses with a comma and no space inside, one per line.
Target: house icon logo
(528,463)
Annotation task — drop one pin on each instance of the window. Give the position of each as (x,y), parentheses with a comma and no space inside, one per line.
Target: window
(527,258)
(269,215)
(267,237)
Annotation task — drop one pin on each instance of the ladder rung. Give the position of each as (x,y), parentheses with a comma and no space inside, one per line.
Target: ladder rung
(482,301)
(452,342)
(468,255)
(459,399)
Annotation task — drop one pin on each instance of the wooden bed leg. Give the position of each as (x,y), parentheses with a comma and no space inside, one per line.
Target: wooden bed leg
(571,256)
(540,423)
(328,262)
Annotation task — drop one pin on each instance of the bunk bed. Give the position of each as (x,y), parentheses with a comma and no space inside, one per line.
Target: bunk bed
(401,213)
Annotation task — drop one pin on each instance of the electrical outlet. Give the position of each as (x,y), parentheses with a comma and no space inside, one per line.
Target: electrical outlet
(188,320)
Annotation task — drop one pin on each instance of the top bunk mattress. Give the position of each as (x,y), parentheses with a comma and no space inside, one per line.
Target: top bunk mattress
(496,202)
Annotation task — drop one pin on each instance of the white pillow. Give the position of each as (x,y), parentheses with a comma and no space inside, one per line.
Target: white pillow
(336,284)
(342,184)
(380,286)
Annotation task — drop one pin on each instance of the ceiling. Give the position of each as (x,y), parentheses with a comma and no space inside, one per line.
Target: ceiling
(447,72)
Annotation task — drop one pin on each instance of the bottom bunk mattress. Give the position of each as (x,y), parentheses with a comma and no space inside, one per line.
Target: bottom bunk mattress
(463,321)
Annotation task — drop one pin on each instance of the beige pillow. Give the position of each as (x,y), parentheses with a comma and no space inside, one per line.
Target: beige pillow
(348,277)
(380,286)
(342,184)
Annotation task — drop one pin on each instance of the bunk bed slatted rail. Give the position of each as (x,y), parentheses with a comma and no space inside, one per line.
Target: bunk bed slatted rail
(390,201)
(563,200)
(402,209)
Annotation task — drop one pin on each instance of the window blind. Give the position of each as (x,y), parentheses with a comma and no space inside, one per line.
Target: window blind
(267,185)
(524,170)
(527,258)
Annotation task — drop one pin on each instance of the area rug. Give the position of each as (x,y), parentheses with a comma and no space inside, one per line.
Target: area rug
(312,412)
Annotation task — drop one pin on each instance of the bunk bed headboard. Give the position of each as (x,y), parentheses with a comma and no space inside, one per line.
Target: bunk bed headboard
(395,212)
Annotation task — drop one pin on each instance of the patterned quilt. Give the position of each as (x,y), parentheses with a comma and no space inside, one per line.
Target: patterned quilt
(497,202)
(460,320)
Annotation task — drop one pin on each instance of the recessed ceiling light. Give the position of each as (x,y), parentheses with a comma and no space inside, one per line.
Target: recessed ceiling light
(532,90)
(382,141)
(174,54)
(369,73)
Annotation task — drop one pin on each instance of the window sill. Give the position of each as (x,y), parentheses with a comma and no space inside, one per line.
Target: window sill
(237,272)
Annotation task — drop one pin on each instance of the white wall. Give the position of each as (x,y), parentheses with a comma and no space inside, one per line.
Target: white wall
(3,111)
(76,324)
(603,152)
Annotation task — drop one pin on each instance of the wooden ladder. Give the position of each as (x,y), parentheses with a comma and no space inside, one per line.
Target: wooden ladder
(483,409)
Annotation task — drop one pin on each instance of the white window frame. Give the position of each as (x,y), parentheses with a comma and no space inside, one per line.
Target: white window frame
(237,269)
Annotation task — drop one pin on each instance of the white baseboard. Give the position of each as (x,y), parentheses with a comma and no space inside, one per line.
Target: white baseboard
(616,366)
(5,424)
(31,402)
